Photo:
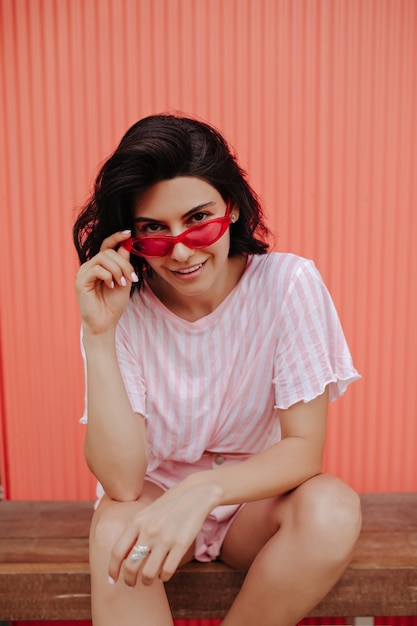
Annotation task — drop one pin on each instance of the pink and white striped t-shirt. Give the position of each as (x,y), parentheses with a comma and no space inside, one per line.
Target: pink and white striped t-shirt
(215,384)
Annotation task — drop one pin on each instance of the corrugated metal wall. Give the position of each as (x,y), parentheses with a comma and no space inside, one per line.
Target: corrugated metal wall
(319,99)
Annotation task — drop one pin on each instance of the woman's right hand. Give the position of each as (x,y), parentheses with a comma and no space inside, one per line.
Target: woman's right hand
(103,285)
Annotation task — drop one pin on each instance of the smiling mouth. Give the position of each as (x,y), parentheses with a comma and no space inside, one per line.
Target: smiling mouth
(189,270)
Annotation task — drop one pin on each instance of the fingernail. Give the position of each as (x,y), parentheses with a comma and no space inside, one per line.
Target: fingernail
(112,284)
(123,281)
(126,232)
(134,277)
(110,580)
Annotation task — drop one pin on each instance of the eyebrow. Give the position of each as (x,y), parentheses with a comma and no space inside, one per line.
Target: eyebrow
(204,205)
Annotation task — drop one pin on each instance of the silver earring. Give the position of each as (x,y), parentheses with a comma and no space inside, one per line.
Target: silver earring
(233,218)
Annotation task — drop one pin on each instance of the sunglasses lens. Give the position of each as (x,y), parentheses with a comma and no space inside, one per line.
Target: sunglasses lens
(151,246)
(203,235)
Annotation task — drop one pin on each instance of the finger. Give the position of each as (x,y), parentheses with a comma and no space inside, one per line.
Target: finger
(103,275)
(163,561)
(125,254)
(119,267)
(172,561)
(115,239)
(153,565)
(121,552)
(113,242)
(134,563)
(90,278)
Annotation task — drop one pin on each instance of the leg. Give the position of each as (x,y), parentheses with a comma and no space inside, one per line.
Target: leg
(117,603)
(296,548)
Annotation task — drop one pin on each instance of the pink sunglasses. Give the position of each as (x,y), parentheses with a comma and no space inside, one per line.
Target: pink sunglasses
(197,236)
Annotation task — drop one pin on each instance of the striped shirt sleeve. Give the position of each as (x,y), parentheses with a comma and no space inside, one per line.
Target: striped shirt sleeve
(311,349)
(131,370)
(131,374)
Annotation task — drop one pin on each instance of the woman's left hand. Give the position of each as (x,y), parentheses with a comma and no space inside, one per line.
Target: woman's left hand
(168,527)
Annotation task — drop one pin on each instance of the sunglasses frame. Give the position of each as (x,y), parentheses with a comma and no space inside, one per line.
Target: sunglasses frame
(225,220)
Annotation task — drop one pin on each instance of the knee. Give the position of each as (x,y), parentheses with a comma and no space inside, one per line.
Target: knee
(342,507)
(332,512)
(107,525)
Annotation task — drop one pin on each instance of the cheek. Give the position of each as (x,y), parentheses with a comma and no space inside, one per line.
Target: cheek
(222,247)
(154,265)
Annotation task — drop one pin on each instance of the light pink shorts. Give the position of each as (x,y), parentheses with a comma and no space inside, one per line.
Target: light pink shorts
(211,536)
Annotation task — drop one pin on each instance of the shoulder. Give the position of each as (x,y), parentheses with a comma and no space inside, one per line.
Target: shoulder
(280,270)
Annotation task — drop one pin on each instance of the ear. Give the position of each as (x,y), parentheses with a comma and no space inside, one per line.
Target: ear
(234,213)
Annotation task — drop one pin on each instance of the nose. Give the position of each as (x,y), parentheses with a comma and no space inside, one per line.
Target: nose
(181,252)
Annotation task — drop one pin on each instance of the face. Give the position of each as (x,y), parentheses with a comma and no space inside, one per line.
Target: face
(171,207)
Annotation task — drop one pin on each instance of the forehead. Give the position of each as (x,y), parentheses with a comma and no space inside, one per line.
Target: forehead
(176,195)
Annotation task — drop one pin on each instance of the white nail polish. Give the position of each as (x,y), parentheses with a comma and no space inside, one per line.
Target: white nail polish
(123,281)
(110,580)
(126,232)
(112,284)
(134,277)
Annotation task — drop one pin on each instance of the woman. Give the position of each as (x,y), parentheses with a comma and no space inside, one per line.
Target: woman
(210,363)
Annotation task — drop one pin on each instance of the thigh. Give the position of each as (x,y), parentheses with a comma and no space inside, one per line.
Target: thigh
(322,504)
(250,530)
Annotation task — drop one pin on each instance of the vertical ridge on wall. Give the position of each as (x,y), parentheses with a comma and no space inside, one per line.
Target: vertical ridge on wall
(317,98)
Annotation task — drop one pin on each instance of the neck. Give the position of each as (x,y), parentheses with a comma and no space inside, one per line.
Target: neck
(195,307)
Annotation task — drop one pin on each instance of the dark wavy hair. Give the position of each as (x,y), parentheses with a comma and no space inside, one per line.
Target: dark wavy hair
(162,147)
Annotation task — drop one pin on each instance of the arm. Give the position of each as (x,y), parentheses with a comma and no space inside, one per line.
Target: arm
(115,445)
(171,523)
(280,468)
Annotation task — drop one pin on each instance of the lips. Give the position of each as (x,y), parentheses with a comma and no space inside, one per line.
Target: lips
(189,270)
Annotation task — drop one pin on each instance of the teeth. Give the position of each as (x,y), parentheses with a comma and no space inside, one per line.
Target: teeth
(192,269)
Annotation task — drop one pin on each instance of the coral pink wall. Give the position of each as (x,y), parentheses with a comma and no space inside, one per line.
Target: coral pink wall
(319,100)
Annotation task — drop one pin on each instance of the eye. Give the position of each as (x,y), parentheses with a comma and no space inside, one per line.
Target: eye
(150,228)
(199,217)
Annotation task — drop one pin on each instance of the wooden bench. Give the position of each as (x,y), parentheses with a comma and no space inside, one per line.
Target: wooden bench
(44,566)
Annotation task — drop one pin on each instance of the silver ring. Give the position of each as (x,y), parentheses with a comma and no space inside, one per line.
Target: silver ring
(139,553)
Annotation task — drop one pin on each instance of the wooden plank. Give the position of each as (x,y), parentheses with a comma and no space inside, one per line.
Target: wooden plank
(364,591)
(367,592)
(212,590)
(45,519)
(54,591)
(45,592)
(49,550)
(386,550)
(44,560)
(389,512)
